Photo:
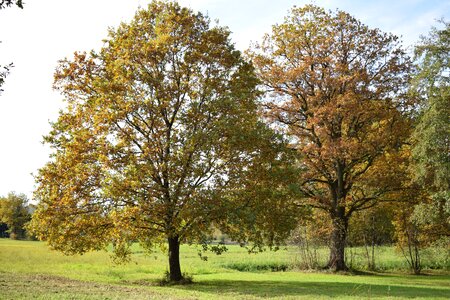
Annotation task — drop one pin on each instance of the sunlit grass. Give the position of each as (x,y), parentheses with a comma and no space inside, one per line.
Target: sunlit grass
(30,268)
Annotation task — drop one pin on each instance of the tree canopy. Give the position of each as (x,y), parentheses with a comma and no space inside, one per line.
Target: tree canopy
(338,89)
(161,142)
(432,83)
(15,213)
(430,140)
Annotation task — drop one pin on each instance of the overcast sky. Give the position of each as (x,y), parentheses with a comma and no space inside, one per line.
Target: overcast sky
(45,31)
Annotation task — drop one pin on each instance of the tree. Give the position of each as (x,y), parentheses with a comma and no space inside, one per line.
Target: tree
(428,220)
(161,142)
(337,89)
(410,239)
(15,214)
(312,234)
(3,230)
(370,228)
(431,144)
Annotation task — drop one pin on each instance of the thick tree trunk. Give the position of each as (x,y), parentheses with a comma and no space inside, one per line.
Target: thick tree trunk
(174,259)
(340,221)
(338,241)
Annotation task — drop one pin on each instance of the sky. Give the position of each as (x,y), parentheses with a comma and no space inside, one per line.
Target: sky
(45,31)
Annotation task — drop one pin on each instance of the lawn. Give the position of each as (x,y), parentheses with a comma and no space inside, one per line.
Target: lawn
(30,270)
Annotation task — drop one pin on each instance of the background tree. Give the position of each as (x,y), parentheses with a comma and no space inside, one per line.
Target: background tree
(14,212)
(410,237)
(311,235)
(371,228)
(431,143)
(427,221)
(3,230)
(161,143)
(336,88)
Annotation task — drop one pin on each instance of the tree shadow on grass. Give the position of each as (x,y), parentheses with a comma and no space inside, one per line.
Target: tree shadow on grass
(243,289)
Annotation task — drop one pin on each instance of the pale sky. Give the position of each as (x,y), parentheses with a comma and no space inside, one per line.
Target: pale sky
(45,31)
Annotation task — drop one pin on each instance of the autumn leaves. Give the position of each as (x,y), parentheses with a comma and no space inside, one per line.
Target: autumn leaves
(170,133)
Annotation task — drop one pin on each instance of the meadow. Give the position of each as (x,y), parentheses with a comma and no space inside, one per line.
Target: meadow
(29,270)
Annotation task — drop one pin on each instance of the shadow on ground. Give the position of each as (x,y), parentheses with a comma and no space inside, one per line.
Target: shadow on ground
(244,289)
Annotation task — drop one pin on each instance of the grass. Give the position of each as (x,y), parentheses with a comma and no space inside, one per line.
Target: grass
(30,270)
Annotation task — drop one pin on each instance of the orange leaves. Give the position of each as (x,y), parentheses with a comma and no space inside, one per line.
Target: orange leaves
(335,82)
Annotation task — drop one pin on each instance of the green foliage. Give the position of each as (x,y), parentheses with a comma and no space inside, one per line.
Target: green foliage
(310,237)
(256,267)
(433,215)
(432,83)
(15,213)
(430,152)
(372,227)
(411,238)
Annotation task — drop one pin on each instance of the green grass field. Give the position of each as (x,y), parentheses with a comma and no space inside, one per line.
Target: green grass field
(28,270)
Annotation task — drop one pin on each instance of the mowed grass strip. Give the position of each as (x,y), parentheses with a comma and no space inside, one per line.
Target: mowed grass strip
(29,270)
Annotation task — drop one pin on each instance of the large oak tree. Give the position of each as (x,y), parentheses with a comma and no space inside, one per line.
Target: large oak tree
(336,88)
(161,142)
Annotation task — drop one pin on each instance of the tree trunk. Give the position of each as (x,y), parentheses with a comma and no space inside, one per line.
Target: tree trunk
(174,259)
(338,241)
